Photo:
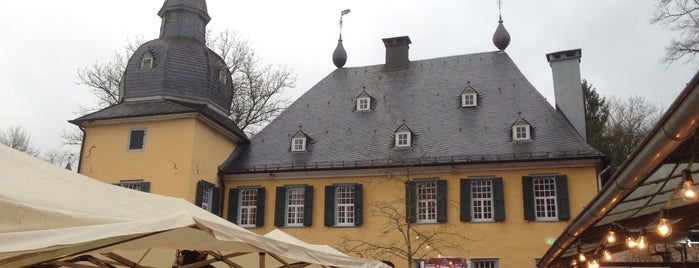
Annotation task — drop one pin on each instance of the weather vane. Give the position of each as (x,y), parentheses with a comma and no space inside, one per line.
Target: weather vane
(342,13)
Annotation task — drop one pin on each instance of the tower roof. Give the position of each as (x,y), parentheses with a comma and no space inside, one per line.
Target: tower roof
(339,55)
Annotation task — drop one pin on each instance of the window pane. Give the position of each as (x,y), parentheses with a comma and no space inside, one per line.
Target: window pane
(207,197)
(426,201)
(482,199)
(136,139)
(294,206)
(344,205)
(248,207)
(545,198)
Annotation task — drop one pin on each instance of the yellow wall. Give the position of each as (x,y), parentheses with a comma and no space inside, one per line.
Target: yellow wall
(177,153)
(515,241)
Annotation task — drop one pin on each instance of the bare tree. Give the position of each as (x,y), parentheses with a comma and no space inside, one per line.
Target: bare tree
(629,121)
(400,238)
(681,16)
(15,137)
(256,86)
(63,158)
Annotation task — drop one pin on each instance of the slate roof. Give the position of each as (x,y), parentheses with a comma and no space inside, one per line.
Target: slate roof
(138,109)
(427,99)
(182,68)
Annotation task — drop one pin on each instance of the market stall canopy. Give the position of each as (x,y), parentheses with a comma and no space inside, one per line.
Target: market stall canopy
(52,215)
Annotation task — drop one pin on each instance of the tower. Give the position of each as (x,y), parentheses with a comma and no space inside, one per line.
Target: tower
(170,129)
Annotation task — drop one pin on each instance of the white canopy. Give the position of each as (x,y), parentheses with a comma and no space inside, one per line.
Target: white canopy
(50,214)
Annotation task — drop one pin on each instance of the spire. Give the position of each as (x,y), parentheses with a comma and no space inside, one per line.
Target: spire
(340,55)
(184,18)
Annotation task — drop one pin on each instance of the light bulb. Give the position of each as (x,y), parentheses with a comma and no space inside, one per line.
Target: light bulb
(427,247)
(593,264)
(689,193)
(581,257)
(607,255)
(630,242)
(664,228)
(641,242)
(611,237)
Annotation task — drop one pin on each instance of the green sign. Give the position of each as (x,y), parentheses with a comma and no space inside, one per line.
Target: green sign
(550,241)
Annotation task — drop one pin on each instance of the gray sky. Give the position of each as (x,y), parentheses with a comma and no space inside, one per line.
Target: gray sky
(43,43)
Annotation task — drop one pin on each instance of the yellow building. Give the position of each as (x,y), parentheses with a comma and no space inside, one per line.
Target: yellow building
(455,156)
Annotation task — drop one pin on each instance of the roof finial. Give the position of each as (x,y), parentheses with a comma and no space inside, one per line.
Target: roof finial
(340,55)
(342,13)
(501,38)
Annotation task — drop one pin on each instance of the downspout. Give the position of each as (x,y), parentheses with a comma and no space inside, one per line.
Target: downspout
(676,125)
(82,148)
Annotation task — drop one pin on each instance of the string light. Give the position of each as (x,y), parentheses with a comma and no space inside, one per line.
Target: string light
(689,193)
(630,242)
(641,243)
(606,254)
(611,236)
(593,264)
(581,256)
(664,229)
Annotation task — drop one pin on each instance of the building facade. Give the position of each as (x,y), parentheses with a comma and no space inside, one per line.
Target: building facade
(455,156)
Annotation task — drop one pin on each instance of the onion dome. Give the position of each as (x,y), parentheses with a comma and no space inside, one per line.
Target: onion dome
(340,55)
(178,65)
(501,38)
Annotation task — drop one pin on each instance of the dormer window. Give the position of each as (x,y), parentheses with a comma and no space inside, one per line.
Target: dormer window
(363,102)
(147,61)
(521,130)
(402,137)
(223,77)
(298,142)
(469,97)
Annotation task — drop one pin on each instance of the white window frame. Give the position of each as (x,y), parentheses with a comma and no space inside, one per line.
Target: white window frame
(344,205)
(295,198)
(207,197)
(363,104)
(545,199)
(482,203)
(298,144)
(484,263)
(147,61)
(132,184)
(521,133)
(469,102)
(247,211)
(128,142)
(402,139)
(426,201)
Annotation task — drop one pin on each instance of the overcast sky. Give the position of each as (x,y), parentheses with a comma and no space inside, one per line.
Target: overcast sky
(43,43)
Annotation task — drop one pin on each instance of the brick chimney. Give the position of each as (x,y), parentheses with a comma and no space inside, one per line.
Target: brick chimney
(396,53)
(565,66)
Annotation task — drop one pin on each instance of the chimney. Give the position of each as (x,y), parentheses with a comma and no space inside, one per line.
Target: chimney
(396,53)
(565,66)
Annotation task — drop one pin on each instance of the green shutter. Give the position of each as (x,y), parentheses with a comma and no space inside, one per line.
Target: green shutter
(562,197)
(145,186)
(216,201)
(410,200)
(441,201)
(528,197)
(233,197)
(308,205)
(330,205)
(465,200)
(498,200)
(200,193)
(260,218)
(279,205)
(358,205)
